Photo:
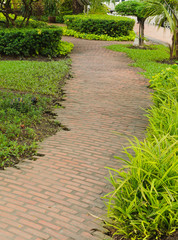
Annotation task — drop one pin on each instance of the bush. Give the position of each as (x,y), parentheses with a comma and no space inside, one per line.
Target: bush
(65,9)
(30,42)
(65,48)
(70,32)
(100,24)
(144,202)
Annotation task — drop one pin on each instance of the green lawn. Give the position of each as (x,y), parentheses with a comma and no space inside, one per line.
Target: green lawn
(33,76)
(148,60)
(29,89)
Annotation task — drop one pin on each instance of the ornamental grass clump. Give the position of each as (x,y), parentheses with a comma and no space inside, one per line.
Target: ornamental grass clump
(143,204)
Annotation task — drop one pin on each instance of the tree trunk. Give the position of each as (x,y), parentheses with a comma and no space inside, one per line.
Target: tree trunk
(174,45)
(77,8)
(141,22)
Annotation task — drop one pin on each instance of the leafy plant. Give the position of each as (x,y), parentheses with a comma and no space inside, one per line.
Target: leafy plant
(134,8)
(51,7)
(100,24)
(65,48)
(143,204)
(165,10)
(30,42)
(104,37)
(11,10)
(25,116)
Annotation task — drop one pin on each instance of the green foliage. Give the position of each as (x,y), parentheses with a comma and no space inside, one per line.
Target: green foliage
(65,48)
(104,37)
(33,76)
(143,204)
(165,11)
(97,7)
(165,100)
(145,58)
(65,9)
(32,23)
(30,42)
(51,7)
(131,8)
(17,137)
(100,24)
(22,119)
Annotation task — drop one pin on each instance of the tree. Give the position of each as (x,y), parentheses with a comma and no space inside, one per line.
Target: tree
(134,8)
(11,9)
(165,10)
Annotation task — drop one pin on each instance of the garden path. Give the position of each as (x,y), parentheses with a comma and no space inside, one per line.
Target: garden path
(56,196)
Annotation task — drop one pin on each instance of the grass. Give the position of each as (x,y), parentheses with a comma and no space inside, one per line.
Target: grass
(143,204)
(29,89)
(33,76)
(147,59)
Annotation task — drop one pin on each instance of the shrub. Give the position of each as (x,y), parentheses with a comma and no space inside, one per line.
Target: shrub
(143,204)
(104,37)
(65,9)
(100,24)
(29,42)
(38,9)
(65,48)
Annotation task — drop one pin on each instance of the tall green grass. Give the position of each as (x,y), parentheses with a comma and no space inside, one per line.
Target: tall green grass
(143,204)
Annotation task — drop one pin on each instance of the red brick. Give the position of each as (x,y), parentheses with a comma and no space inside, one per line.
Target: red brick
(20,233)
(37,233)
(50,225)
(55,234)
(30,224)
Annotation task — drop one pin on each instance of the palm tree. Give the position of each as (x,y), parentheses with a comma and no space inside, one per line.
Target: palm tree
(165,10)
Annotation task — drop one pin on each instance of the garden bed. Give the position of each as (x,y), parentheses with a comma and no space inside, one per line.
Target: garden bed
(30,90)
(143,204)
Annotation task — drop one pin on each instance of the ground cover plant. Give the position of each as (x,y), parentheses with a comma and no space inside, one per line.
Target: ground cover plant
(149,59)
(143,204)
(29,91)
(100,24)
(90,36)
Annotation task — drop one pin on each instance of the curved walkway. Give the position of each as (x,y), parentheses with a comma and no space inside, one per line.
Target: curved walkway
(56,196)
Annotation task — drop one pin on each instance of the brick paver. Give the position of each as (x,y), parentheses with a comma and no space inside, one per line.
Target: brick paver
(56,196)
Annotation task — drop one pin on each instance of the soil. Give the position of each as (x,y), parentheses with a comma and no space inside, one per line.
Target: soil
(174,236)
(145,47)
(48,125)
(35,58)
(169,61)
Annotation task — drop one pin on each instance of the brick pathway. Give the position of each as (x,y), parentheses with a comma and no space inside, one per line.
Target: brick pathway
(54,197)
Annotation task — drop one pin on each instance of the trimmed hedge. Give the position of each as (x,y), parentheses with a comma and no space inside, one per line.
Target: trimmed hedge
(112,26)
(30,42)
